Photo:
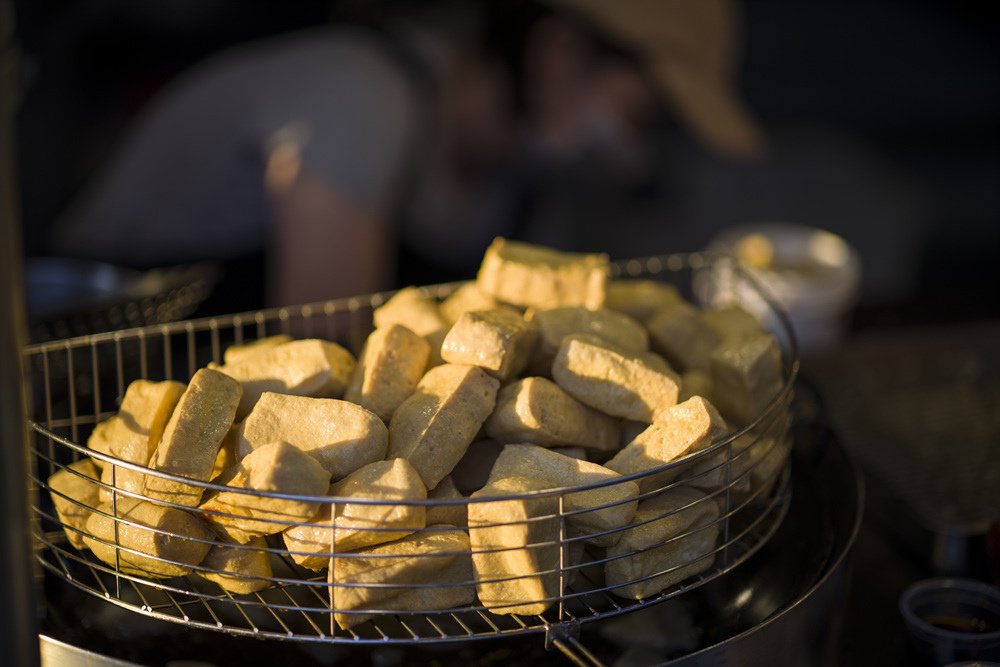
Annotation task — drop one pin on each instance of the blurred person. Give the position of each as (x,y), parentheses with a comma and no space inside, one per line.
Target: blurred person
(346,150)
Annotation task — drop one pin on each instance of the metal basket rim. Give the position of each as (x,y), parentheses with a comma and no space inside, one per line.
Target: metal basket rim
(672,262)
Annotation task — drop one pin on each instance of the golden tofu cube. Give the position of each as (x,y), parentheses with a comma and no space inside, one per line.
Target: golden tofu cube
(767,459)
(235,353)
(746,376)
(679,332)
(451,514)
(757,459)
(572,452)
(433,427)
(360,525)
(612,381)
(527,275)
(731,321)
(340,435)
(678,541)
(392,363)
(715,471)
(599,510)
(226,458)
(515,547)
(554,324)
(466,298)
(102,437)
(640,299)
(74,496)
(473,469)
(629,430)
(425,572)
(695,382)
(276,467)
(499,341)
(167,541)
(238,568)
(538,411)
(678,431)
(417,312)
(309,367)
(142,417)
(192,437)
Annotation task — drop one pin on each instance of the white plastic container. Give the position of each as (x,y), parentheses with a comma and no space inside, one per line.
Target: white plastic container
(813,274)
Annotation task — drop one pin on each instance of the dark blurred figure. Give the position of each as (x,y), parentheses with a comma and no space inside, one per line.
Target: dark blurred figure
(432,128)
(568,123)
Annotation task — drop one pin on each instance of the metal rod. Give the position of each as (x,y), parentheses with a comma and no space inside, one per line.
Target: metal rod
(19,629)
(582,658)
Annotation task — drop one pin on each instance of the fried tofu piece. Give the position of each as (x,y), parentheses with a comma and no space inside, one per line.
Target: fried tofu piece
(193,435)
(226,458)
(678,431)
(74,496)
(417,312)
(640,299)
(276,467)
(238,568)
(466,298)
(695,382)
(629,430)
(767,458)
(572,452)
(142,417)
(428,571)
(360,525)
(537,410)
(612,381)
(392,363)
(433,427)
(309,367)
(526,275)
(235,353)
(515,547)
(757,459)
(594,511)
(499,341)
(100,439)
(451,514)
(712,473)
(679,332)
(746,375)
(473,469)
(168,541)
(680,544)
(731,321)
(618,330)
(340,435)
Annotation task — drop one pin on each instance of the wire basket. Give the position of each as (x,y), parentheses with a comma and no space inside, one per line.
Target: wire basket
(565,565)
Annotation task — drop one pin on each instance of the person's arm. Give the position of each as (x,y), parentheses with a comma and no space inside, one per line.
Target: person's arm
(324,244)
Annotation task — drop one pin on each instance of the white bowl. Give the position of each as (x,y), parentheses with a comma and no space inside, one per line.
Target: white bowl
(813,274)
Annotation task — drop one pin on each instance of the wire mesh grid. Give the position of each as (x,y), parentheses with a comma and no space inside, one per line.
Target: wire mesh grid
(503,564)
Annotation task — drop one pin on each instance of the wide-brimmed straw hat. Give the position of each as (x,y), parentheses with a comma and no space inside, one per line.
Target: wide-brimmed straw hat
(689,49)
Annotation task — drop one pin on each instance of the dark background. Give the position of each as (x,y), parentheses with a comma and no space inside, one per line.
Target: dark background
(915,82)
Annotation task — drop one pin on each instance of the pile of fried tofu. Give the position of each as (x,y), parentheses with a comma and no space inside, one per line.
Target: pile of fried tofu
(425,473)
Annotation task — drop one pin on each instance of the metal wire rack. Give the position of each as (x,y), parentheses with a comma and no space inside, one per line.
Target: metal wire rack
(563,565)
